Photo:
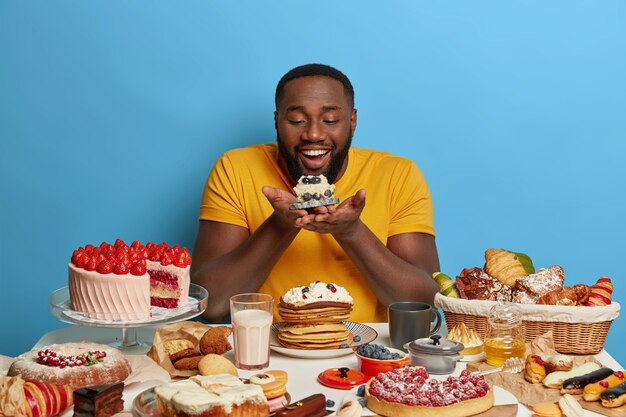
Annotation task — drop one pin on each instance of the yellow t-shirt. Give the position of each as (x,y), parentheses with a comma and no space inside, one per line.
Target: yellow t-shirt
(397,201)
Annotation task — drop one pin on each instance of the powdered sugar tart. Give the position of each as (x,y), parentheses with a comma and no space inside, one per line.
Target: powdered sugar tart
(410,392)
(77,365)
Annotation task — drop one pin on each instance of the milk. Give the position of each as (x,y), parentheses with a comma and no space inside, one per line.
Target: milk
(251,332)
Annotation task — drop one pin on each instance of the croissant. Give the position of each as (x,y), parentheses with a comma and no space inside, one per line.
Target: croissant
(507,266)
(601,292)
(564,296)
(32,398)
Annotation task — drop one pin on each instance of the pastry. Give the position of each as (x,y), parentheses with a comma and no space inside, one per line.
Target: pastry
(570,406)
(314,336)
(476,284)
(274,385)
(592,392)
(213,364)
(121,282)
(614,397)
(32,398)
(313,191)
(546,410)
(557,362)
(212,382)
(350,408)
(535,369)
(576,384)
(183,353)
(74,364)
(99,401)
(447,286)
(177,345)
(317,302)
(469,338)
(311,406)
(163,394)
(246,400)
(601,292)
(564,296)
(555,379)
(215,340)
(507,266)
(410,392)
(530,288)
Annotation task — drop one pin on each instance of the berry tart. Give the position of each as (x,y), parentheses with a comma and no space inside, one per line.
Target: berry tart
(410,392)
(76,365)
(121,282)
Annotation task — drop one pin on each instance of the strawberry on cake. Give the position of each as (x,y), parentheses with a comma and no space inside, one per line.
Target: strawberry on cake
(410,392)
(121,282)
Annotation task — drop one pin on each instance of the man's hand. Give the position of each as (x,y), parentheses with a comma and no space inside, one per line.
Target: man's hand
(280,201)
(340,221)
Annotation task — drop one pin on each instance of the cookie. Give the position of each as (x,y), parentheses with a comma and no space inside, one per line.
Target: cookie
(213,364)
(184,353)
(176,345)
(188,364)
(215,340)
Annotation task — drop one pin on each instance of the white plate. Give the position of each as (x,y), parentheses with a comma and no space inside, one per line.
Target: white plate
(366,333)
(472,358)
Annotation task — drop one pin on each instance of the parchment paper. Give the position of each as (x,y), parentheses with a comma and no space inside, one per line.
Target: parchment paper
(190,330)
(530,394)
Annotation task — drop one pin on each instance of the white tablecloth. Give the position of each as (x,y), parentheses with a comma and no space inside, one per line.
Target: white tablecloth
(302,372)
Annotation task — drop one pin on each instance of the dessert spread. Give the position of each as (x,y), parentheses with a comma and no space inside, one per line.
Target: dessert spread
(313,191)
(313,317)
(121,282)
(410,392)
(73,364)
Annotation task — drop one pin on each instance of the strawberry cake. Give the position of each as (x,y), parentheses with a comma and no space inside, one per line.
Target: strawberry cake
(410,392)
(121,282)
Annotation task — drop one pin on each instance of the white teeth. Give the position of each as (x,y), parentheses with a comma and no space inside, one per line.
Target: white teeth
(314,152)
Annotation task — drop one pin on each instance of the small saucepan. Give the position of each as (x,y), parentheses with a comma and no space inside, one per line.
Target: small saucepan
(439,356)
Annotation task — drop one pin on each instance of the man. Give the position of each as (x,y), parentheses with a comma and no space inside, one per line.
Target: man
(250,241)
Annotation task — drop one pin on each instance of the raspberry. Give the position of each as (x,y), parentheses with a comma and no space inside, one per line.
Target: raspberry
(104,267)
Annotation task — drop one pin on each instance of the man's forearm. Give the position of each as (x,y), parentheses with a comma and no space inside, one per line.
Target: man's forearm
(244,268)
(390,277)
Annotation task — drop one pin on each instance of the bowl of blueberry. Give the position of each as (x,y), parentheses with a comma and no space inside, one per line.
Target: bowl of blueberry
(374,358)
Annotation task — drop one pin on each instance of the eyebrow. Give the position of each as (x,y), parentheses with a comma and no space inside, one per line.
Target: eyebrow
(324,108)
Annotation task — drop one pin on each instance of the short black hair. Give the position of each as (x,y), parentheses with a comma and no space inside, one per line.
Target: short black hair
(309,70)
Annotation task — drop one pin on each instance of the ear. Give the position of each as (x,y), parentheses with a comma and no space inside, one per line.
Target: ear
(353,120)
(276,120)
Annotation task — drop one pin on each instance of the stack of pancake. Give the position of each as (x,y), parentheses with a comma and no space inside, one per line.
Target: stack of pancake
(313,317)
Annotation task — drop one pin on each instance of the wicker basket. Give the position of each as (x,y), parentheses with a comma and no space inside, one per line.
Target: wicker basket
(580,330)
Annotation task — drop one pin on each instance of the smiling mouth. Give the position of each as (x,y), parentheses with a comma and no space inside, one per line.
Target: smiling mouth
(314,153)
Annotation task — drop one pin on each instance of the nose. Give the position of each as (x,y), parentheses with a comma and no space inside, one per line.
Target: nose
(314,132)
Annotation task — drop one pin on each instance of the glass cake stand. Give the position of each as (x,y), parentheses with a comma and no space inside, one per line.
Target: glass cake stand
(196,304)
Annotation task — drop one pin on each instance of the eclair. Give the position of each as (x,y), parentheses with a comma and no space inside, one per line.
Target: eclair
(592,392)
(576,384)
(555,379)
(614,397)
(311,406)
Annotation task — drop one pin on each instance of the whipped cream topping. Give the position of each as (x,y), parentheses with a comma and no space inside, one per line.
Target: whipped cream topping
(308,185)
(316,292)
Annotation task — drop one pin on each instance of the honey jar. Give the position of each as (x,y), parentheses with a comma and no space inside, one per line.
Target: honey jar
(504,337)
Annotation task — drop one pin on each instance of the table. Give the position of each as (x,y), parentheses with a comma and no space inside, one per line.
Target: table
(302,372)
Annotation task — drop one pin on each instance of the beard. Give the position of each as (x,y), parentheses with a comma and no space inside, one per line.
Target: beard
(332,170)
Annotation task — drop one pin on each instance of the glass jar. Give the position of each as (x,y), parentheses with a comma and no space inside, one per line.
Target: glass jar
(504,337)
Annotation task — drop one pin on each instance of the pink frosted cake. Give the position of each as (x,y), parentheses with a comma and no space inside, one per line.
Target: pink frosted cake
(121,282)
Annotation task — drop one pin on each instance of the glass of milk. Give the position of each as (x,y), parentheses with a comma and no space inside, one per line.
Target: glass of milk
(251,315)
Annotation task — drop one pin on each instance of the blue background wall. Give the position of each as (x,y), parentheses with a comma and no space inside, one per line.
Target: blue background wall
(112,113)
